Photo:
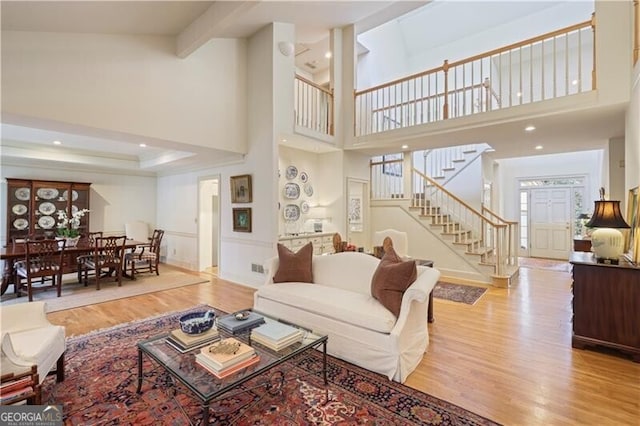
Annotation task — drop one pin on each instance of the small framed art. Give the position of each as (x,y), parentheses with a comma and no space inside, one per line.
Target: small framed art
(242,219)
(241,191)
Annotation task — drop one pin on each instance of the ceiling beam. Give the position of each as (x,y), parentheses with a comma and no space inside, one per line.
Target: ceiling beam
(211,24)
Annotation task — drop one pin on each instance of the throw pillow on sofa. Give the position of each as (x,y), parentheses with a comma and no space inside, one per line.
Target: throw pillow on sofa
(294,267)
(391,278)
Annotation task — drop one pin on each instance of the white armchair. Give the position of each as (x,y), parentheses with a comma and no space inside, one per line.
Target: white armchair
(399,238)
(28,338)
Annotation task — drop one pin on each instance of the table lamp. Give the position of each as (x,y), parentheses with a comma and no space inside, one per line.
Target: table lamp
(607,243)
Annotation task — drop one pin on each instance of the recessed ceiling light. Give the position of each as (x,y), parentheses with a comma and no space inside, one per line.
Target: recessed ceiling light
(57,143)
(284,140)
(327,55)
(538,147)
(574,82)
(405,146)
(519,94)
(529,128)
(143,145)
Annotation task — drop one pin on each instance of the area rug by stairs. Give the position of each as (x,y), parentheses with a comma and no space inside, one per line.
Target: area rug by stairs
(101,380)
(458,292)
(75,294)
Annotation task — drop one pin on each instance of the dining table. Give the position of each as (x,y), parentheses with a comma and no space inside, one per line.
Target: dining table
(13,252)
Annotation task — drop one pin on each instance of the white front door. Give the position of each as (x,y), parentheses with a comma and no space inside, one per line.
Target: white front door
(550,223)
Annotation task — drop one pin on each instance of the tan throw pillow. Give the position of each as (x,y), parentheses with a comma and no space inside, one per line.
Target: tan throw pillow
(391,279)
(294,267)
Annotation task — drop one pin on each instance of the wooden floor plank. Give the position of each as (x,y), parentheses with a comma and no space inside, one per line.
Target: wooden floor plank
(508,357)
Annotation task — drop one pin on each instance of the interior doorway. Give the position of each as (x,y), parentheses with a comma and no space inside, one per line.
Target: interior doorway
(208,223)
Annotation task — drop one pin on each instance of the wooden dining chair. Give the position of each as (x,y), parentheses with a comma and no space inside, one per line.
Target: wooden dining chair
(106,257)
(80,260)
(148,258)
(43,259)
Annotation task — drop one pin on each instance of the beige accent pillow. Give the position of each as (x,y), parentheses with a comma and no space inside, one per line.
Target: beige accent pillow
(391,278)
(294,267)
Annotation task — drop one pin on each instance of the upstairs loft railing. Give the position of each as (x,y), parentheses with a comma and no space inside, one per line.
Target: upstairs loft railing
(313,106)
(556,64)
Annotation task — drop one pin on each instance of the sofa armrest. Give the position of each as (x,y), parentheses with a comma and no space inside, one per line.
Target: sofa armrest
(418,291)
(10,360)
(13,316)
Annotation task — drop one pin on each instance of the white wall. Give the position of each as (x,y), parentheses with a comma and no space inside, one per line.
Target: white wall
(632,135)
(114,198)
(128,84)
(588,163)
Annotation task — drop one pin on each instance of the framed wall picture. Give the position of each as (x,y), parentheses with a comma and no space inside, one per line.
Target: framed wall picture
(241,191)
(242,219)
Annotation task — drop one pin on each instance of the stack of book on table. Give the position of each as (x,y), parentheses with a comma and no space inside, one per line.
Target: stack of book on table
(184,342)
(276,335)
(16,390)
(226,357)
(239,321)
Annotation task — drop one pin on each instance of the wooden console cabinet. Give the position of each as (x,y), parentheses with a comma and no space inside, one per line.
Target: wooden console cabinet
(606,305)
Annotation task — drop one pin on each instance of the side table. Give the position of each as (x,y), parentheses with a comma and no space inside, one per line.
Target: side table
(429,264)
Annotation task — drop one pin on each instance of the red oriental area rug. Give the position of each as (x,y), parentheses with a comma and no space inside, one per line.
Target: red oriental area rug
(101,380)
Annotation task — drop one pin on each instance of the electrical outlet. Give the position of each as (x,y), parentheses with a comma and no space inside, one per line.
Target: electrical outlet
(257,268)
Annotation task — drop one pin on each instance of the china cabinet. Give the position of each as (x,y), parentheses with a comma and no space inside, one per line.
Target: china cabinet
(33,205)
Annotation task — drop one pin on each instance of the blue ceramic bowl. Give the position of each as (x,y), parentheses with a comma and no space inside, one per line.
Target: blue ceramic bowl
(197,322)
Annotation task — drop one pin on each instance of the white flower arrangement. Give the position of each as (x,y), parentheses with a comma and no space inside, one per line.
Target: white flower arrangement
(69,227)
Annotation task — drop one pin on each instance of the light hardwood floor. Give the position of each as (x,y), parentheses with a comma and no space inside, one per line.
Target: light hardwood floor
(508,357)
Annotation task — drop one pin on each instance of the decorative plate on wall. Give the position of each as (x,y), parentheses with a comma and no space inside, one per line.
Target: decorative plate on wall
(308,189)
(47,208)
(304,207)
(47,193)
(292,172)
(19,209)
(304,177)
(20,224)
(23,194)
(291,212)
(46,222)
(291,191)
(74,195)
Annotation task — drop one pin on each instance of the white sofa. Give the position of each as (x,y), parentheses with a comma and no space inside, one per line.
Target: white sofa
(339,303)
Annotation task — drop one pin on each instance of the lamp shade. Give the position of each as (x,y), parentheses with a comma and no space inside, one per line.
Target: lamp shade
(606,214)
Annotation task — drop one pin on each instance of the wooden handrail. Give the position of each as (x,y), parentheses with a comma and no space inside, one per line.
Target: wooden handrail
(509,222)
(446,64)
(467,206)
(315,85)
(523,43)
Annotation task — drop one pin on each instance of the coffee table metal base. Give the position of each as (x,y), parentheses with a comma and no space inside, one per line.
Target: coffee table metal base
(272,385)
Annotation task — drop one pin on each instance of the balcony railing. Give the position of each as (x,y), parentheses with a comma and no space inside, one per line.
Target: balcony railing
(556,64)
(313,106)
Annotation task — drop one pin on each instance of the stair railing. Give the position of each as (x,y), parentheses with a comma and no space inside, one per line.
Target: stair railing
(313,106)
(466,224)
(513,234)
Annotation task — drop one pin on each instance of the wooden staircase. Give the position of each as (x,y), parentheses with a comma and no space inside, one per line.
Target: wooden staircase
(483,238)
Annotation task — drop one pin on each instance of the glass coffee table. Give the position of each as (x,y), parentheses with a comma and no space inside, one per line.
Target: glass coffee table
(206,387)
